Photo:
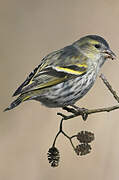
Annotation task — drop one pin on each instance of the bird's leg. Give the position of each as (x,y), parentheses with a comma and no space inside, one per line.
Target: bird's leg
(68,109)
(82,111)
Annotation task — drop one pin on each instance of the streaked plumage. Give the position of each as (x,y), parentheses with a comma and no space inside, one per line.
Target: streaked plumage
(66,75)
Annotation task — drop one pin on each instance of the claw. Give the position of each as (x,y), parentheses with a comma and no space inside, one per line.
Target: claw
(82,111)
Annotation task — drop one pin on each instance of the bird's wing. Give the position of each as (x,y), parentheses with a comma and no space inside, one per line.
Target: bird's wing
(55,68)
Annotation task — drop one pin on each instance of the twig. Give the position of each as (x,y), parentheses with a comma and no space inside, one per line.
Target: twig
(109,87)
(61,131)
(92,111)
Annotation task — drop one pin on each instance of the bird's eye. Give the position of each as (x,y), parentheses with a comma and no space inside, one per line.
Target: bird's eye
(98,46)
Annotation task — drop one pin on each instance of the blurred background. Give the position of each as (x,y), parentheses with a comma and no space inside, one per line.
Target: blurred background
(29,30)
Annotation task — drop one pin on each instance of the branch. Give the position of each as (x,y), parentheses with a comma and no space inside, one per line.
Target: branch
(89,111)
(109,87)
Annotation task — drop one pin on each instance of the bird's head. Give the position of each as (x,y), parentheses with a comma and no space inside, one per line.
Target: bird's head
(95,48)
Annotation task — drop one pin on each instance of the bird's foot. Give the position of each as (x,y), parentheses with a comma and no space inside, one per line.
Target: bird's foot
(68,109)
(82,111)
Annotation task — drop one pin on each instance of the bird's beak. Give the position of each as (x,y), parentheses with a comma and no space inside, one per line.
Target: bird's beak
(108,53)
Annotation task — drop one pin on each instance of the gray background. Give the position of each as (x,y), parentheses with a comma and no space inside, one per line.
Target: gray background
(28,31)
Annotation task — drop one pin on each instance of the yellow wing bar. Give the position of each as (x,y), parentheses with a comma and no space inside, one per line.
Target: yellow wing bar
(77,69)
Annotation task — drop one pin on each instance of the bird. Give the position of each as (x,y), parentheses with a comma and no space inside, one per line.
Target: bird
(65,76)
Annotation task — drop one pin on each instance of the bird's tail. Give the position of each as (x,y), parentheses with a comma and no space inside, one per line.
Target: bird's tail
(18,101)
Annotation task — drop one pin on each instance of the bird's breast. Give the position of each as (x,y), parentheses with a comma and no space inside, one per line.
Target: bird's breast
(70,91)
